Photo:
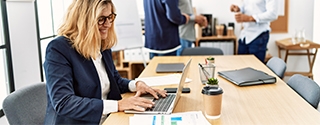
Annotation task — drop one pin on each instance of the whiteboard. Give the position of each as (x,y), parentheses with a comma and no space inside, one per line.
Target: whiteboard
(127,25)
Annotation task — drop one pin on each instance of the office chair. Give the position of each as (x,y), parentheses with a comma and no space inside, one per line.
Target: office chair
(201,51)
(306,88)
(277,65)
(26,106)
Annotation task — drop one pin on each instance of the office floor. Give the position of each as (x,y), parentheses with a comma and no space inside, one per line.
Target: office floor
(3,121)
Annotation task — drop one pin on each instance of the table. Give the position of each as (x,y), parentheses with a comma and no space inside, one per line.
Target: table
(268,104)
(288,46)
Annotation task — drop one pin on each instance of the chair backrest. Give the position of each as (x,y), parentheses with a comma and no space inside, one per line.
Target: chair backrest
(26,105)
(308,89)
(278,66)
(201,51)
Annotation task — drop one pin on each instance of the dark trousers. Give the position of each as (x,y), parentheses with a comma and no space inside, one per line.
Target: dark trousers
(258,46)
(174,53)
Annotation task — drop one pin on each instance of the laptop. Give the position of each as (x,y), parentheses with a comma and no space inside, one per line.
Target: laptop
(166,105)
(170,67)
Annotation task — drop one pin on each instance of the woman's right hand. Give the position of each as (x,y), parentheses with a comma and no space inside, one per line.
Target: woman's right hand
(135,103)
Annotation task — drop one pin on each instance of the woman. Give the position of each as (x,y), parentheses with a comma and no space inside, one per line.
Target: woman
(83,86)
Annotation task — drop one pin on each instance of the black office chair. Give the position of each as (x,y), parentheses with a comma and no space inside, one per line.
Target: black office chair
(308,89)
(26,106)
(277,65)
(201,51)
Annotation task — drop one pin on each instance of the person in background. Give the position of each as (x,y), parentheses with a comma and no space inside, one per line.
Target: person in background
(255,16)
(162,20)
(187,31)
(83,85)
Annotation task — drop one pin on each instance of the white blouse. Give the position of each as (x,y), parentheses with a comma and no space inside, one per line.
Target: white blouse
(108,105)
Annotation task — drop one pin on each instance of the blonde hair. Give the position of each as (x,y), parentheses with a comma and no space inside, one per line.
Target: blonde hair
(80,26)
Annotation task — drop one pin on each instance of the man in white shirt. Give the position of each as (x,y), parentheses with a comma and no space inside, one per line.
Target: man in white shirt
(255,16)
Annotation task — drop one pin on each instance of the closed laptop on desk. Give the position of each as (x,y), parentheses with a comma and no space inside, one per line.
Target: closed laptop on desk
(247,76)
(170,67)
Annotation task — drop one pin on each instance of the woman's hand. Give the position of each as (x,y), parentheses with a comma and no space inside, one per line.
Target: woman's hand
(135,103)
(138,103)
(143,88)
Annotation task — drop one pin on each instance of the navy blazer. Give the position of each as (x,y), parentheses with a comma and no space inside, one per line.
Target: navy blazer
(73,85)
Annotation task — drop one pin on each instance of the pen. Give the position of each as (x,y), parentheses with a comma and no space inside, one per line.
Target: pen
(206,74)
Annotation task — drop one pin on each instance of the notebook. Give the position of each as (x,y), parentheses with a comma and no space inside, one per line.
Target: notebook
(247,76)
(170,67)
(167,104)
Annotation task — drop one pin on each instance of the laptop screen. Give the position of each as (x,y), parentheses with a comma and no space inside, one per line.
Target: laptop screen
(182,81)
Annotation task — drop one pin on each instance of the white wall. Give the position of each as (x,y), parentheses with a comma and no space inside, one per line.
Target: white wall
(24,46)
(300,15)
(316,38)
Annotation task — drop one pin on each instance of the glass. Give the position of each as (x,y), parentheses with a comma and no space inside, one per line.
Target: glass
(206,71)
(300,38)
(59,8)
(110,18)
(4,90)
(50,15)
(45,18)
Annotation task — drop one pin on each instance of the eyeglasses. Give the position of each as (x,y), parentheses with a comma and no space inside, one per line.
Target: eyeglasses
(110,18)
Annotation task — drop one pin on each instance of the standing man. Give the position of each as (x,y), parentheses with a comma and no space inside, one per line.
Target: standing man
(255,16)
(162,20)
(187,31)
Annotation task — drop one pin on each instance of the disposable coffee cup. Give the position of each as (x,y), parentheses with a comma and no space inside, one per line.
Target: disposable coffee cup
(219,30)
(212,99)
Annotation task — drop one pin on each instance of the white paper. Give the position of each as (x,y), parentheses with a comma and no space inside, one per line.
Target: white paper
(162,80)
(184,118)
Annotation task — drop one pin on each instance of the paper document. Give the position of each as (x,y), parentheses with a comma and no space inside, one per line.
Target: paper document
(162,80)
(185,118)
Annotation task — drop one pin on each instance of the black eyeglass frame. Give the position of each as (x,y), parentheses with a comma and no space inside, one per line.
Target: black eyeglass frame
(103,19)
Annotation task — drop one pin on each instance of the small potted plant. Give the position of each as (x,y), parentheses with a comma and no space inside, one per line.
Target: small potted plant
(214,82)
(210,59)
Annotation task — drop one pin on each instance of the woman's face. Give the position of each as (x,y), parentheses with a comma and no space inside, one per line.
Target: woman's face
(105,21)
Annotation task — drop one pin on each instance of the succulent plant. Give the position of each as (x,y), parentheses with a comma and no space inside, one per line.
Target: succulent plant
(210,58)
(213,81)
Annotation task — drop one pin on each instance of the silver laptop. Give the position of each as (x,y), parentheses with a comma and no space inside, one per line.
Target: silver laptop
(166,105)
(170,67)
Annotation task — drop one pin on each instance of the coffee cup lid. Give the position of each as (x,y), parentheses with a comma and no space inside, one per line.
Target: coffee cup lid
(210,90)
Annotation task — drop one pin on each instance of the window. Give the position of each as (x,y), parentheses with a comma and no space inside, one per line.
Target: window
(50,15)
(6,74)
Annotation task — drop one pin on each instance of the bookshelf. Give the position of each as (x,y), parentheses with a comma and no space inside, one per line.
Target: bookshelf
(127,69)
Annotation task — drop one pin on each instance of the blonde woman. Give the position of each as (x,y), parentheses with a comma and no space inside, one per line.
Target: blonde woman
(83,85)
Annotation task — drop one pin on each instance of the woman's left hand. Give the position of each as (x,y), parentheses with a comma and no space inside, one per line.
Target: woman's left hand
(143,88)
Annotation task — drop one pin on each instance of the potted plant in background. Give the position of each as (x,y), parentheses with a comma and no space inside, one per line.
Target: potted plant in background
(210,59)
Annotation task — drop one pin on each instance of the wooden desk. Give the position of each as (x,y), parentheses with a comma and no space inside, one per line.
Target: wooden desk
(271,104)
(288,46)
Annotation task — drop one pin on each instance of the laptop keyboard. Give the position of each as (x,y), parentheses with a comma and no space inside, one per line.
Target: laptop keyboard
(162,104)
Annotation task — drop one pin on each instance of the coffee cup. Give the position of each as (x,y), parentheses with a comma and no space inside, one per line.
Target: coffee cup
(212,99)
(219,30)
